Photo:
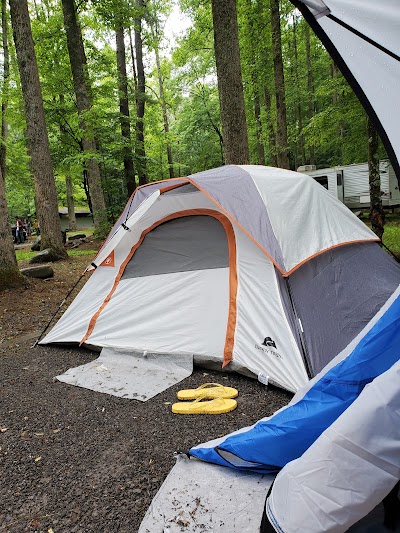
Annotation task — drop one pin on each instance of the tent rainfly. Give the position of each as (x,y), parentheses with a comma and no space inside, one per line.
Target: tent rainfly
(256,269)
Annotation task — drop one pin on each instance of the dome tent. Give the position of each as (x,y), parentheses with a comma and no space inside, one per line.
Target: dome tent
(253,267)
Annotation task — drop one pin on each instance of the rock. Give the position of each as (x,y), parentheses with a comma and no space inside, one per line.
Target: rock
(36,245)
(40,271)
(77,236)
(46,256)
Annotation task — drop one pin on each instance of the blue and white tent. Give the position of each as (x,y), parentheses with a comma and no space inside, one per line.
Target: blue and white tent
(271,443)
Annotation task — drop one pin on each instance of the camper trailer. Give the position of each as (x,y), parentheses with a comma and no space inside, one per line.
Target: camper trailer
(350,183)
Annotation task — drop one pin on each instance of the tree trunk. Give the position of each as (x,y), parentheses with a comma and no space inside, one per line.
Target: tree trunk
(41,165)
(270,129)
(77,58)
(281,121)
(254,68)
(310,86)
(230,85)
(9,274)
(129,169)
(141,96)
(133,64)
(6,82)
(376,212)
(70,204)
(164,112)
(298,95)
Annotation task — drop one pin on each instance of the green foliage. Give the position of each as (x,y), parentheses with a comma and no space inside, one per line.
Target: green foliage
(23,255)
(336,131)
(391,237)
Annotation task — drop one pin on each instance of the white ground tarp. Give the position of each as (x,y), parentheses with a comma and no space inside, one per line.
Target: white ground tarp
(198,497)
(132,375)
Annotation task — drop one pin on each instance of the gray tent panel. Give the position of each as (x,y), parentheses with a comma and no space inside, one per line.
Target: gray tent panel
(234,189)
(181,245)
(337,293)
(183,189)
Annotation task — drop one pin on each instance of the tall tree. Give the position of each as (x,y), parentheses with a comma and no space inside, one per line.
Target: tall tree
(281,119)
(156,38)
(78,62)
(251,63)
(41,164)
(129,169)
(6,82)
(310,85)
(10,276)
(230,84)
(376,212)
(298,93)
(140,96)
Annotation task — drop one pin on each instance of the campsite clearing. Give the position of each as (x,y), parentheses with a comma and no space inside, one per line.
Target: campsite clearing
(75,460)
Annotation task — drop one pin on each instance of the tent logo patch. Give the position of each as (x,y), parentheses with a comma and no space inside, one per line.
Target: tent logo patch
(268,346)
(269,342)
(109,261)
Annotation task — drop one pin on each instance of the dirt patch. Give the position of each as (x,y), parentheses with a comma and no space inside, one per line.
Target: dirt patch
(78,461)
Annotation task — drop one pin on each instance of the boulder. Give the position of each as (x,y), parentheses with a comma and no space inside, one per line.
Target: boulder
(45,256)
(77,236)
(36,245)
(40,271)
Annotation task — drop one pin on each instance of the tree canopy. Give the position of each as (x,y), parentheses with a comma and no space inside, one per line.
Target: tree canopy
(176,125)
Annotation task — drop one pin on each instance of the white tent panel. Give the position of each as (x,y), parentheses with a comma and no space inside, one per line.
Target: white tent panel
(171,313)
(305,201)
(258,291)
(120,233)
(377,73)
(73,324)
(347,472)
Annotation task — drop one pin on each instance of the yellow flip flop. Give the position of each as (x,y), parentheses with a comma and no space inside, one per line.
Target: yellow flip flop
(217,406)
(208,390)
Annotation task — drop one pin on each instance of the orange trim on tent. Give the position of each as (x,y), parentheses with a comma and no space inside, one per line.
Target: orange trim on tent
(327,250)
(166,189)
(233,283)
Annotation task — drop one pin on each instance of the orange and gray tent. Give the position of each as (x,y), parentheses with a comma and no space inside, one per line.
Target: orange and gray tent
(251,268)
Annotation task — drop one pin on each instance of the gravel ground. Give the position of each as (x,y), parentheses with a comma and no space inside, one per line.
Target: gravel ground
(73,460)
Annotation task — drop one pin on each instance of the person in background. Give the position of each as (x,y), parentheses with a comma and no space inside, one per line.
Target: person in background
(19,231)
(28,227)
(36,227)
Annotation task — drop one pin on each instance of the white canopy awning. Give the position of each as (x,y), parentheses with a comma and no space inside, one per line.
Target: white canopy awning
(363,38)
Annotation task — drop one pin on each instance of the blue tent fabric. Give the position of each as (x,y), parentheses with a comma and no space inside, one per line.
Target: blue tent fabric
(270,444)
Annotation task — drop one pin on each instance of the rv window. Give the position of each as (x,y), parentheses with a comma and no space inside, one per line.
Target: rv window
(339,177)
(322,180)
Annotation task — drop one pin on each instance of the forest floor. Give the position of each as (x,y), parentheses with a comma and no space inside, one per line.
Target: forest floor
(73,460)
